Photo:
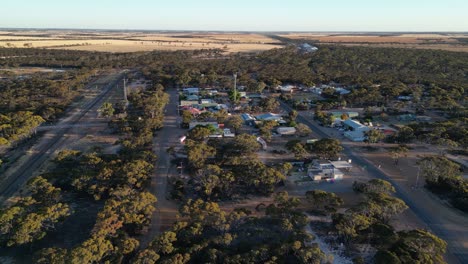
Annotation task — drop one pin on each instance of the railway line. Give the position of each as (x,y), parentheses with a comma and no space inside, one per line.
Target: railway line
(17,174)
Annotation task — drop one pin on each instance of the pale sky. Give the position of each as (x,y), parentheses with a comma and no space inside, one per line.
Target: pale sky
(239,15)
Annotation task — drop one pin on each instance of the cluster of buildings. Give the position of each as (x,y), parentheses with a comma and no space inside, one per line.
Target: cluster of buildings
(319,89)
(196,104)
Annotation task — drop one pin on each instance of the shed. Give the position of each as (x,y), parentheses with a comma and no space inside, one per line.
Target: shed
(286,131)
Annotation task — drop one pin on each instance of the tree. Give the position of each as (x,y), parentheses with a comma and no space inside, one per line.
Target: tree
(235,122)
(381,206)
(199,133)
(221,116)
(269,104)
(374,186)
(234,96)
(266,127)
(419,246)
(303,130)
(405,135)
(186,118)
(298,150)
(260,86)
(323,201)
(243,145)
(107,110)
(374,136)
(292,115)
(198,153)
(51,256)
(397,152)
(327,148)
(348,225)
(386,257)
(146,256)
(437,169)
(44,192)
(92,250)
(204,116)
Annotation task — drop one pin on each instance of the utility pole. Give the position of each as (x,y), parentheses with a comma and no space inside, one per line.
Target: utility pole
(125,92)
(417,178)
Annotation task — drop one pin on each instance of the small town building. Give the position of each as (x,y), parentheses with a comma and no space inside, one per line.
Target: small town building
(356,131)
(227,133)
(327,170)
(286,131)
(269,116)
(188,103)
(248,119)
(191,90)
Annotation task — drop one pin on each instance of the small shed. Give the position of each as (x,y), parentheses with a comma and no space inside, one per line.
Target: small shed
(286,131)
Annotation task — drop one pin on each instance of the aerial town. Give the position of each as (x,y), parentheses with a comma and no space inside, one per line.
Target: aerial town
(224,146)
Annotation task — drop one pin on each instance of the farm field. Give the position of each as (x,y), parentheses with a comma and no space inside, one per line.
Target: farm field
(450,42)
(137,41)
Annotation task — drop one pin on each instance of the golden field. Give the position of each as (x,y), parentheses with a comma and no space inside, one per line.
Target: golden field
(132,41)
(137,41)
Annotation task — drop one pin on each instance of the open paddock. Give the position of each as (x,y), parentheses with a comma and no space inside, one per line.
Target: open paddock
(137,41)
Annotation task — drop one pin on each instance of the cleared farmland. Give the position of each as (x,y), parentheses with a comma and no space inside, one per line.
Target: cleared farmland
(138,41)
(451,42)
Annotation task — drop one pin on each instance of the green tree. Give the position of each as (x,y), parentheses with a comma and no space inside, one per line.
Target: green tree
(51,256)
(243,145)
(398,152)
(93,250)
(419,246)
(327,148)
(303,130)
(298,150)
(235,122)
(374,136)
(292,115)
(323,201)
(437,169)
(199,133)
(107,110)
(198,153)
(386,257)
(186,118)
(266,127)
(374,186)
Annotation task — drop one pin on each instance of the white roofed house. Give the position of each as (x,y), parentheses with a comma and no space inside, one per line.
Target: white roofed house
(286,131)
(326,170)
(356,131)
(269,116)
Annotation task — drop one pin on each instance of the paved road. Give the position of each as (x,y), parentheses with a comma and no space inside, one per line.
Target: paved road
(168,136)
(27,166)
(455,251)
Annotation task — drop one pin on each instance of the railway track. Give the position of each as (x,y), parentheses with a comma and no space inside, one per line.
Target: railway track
(13,182)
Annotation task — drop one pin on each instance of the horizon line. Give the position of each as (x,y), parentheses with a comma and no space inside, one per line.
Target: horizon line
(231,31)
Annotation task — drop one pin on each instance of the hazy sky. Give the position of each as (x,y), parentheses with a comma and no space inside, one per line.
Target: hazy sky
(245,15)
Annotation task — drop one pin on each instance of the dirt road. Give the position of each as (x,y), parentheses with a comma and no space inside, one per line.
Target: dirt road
(168,136)
(30,164)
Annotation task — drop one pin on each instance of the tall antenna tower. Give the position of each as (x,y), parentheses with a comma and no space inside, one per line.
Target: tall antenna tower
(235,87)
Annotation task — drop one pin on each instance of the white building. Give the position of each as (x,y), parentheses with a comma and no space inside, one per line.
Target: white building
(326,170)
(286,131)
(356,130)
